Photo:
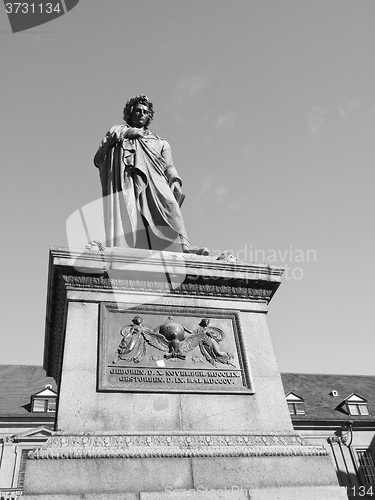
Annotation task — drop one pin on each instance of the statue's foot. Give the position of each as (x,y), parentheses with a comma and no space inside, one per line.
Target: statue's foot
(95,245)
(227,257)
(196,250)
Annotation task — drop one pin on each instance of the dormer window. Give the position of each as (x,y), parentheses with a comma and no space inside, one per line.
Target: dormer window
(355,405)
(44,401)
(296,404)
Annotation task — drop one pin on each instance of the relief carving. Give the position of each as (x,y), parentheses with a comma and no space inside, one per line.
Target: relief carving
(173,338)
(144,348)
(189,287)
(135,446)
(8,439)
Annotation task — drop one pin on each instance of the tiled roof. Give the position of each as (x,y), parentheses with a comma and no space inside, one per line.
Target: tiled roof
(17,384)
(319,404)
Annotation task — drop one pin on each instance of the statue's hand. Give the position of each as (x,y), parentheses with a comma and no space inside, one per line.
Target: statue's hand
(176,189)
(115,135)
(111,139)
(133,133)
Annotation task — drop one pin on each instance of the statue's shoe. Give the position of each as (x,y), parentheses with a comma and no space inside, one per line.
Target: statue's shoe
(95,245)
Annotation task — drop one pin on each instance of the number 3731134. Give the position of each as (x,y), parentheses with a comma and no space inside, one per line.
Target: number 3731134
(32,8)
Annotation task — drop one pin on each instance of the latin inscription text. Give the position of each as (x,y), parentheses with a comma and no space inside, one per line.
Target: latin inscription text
(175,376)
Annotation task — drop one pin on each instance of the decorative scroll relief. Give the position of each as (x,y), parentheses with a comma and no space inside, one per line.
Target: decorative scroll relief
(150,350)
(165,287)
(8,439)
(137,446)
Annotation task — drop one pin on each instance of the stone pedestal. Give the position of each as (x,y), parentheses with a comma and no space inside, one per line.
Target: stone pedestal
(168,384)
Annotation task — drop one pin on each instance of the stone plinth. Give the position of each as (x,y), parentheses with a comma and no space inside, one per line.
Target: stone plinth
(168,381)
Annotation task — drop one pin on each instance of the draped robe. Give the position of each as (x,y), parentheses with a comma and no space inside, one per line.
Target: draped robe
(136,175)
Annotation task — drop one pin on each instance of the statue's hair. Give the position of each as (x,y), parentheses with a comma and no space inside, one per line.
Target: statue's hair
(138,99)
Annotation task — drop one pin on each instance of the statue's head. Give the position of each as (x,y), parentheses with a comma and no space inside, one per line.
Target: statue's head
(132,103)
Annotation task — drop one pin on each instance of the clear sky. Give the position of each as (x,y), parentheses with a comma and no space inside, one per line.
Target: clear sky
(269,106)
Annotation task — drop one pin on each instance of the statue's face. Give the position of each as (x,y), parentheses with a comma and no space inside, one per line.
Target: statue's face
(140,115)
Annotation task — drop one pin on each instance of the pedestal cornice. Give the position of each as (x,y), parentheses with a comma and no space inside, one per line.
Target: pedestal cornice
(146,261)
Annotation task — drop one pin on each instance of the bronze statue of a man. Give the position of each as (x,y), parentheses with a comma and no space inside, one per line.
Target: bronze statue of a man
(141,185)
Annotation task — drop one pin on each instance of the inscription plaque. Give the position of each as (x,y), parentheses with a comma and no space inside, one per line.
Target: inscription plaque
(170,350)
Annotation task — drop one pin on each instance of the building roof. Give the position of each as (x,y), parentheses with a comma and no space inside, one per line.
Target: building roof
(320,404)
(17,384)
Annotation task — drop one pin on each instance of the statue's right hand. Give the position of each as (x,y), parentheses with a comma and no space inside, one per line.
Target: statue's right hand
(111,139)
(113,136)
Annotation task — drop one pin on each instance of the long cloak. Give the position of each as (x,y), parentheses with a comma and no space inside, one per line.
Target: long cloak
(136,175)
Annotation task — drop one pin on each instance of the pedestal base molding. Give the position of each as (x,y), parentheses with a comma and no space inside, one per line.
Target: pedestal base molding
(147,446)
(296,493)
